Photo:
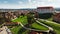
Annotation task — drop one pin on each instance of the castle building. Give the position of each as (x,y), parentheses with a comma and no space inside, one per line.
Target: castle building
(45,9)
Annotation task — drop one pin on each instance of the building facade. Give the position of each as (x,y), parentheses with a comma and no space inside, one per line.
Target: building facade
(56,17)
(45,9)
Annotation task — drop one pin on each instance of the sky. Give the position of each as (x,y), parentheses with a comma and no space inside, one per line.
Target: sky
(17,4)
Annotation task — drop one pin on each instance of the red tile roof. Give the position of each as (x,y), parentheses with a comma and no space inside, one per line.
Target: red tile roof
(33,32)
(11,23)
(57,15)
(45,8)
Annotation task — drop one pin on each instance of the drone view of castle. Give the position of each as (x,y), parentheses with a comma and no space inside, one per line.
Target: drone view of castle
(42,20)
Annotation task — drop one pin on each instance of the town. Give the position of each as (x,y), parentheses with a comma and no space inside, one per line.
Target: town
(42,20)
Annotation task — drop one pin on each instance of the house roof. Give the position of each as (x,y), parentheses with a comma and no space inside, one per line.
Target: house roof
(57,16)
(11,23)
(44,7)
(33,32)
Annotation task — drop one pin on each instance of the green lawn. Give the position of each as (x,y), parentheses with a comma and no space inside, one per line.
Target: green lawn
(56,27)
(38,26)
(15,29)
(50,19)
(19,29)
(26,32)
(22,19)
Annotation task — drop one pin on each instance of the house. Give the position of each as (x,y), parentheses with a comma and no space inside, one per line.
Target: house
(33,32)
(36,14)
(56,16)
(11,23)
(45,9)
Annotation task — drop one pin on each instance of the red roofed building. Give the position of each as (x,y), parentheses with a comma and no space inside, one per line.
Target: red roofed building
(45,9)
(11,23)
(33,32)
(56,17)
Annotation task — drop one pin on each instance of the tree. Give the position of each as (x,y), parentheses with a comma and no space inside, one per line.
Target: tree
(2,20)
(30,18)
(22,14)
(36,15)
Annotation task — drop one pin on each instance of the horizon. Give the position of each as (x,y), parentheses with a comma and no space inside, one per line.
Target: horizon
(23,8)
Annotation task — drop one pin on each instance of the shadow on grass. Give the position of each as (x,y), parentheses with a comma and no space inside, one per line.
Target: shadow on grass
(56,21)
(21,31)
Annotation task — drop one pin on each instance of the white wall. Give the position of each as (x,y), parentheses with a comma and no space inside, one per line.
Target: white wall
(44,10)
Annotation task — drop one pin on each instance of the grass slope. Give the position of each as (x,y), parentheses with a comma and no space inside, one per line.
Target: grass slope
(22,19)
(38,26)
(56,27)
(19,29)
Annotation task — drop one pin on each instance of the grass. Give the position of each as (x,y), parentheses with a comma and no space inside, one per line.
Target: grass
(50,19)
(22,19)
(26,32)
(17,29)
(56,27)
(38,26)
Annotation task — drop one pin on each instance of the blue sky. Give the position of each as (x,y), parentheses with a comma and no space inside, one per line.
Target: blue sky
(12,4)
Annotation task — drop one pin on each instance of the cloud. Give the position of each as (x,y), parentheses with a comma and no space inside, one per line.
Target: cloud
(20,2)
(29,0)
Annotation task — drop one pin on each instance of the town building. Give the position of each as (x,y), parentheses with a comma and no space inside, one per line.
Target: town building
(56,16)
(11,24)
(45,9)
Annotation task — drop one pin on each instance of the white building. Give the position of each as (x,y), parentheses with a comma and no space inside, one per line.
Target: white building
(45,9)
